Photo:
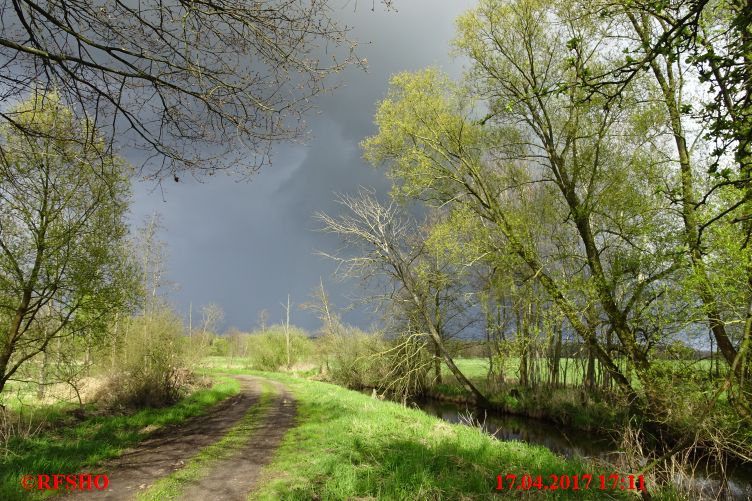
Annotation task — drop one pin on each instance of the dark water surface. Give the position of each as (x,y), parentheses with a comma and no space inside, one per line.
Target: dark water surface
(566,442)
(572,443)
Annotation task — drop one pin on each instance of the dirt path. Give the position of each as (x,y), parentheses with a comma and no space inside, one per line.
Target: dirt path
(169,449)
(235,477)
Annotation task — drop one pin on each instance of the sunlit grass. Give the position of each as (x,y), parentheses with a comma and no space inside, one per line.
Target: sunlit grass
(347,445)
(75,448)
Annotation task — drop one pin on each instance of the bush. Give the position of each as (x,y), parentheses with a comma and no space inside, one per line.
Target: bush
(268,350)
(150,369)
(356,359)
(346,357)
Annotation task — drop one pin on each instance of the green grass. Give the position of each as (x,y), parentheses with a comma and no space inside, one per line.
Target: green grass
(565,405)
(222,362)
(570,370)
(473,368)
(78,448)
(173,485)
(562,405)
(347,445)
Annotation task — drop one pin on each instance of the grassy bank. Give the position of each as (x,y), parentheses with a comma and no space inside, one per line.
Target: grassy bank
(565,406)
(571,371)
(570,405)
(347,445)
(75,447)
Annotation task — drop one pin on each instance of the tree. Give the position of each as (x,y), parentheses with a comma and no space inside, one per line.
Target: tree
(237,344)
(585,150)
(658,39)
(63,199)
(437,153)
(444,279)
(331,337)
(704,44)
(151,253)
(197,86)
(211,316)
(263,319)
(713,38)
(387,249)
(286,328)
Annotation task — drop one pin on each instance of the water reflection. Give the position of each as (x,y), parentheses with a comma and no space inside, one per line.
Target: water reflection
(566,442)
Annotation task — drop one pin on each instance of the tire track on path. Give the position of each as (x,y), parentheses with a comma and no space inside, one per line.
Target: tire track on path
(235,477)
(168,449)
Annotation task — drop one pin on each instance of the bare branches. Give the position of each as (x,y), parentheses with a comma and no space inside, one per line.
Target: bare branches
(376,229)
(387,245)
(197,86)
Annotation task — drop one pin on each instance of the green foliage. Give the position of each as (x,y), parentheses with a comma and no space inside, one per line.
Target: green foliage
(219,347)
(346,354)
(422,122)
(269,350)
(63,199)
(357,359)
(566,195)
(150,366)
(72,447)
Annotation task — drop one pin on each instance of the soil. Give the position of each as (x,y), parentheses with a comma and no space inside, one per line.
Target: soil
(170,448)
(234,478)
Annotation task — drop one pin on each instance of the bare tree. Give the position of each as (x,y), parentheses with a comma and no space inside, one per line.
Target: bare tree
(321,305)
(211,316)
(386,248)
(152,254)
(263,319)
(198,86)
(287,331)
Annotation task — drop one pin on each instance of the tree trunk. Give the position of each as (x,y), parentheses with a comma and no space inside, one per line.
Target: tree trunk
(590,372)
(556,357)
(287,332)
(569,311)
(691,228)
(466,384)
(43,376)
(437,363)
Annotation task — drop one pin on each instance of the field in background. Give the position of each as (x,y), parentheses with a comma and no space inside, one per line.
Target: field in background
(564,404)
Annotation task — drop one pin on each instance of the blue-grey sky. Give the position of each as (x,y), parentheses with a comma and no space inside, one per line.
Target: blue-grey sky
(246,245)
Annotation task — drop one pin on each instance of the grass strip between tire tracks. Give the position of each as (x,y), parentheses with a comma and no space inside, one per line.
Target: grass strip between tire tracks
(237,437)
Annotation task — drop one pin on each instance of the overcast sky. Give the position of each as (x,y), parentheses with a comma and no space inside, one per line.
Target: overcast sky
(246,245)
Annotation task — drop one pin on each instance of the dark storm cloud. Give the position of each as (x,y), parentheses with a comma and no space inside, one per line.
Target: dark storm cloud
(247,245)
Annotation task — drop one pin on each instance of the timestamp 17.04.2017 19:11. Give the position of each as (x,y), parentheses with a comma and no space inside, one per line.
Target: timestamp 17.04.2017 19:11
(613,482)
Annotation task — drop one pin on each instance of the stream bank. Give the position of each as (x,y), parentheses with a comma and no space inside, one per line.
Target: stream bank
(571,442)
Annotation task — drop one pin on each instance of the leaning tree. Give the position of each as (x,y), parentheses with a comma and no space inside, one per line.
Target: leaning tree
(385,246)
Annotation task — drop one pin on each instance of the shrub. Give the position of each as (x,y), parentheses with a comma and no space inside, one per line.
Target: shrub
(268,350)
(150,368)
(356,359)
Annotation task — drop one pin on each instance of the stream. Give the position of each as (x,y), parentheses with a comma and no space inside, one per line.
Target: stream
(572,443)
